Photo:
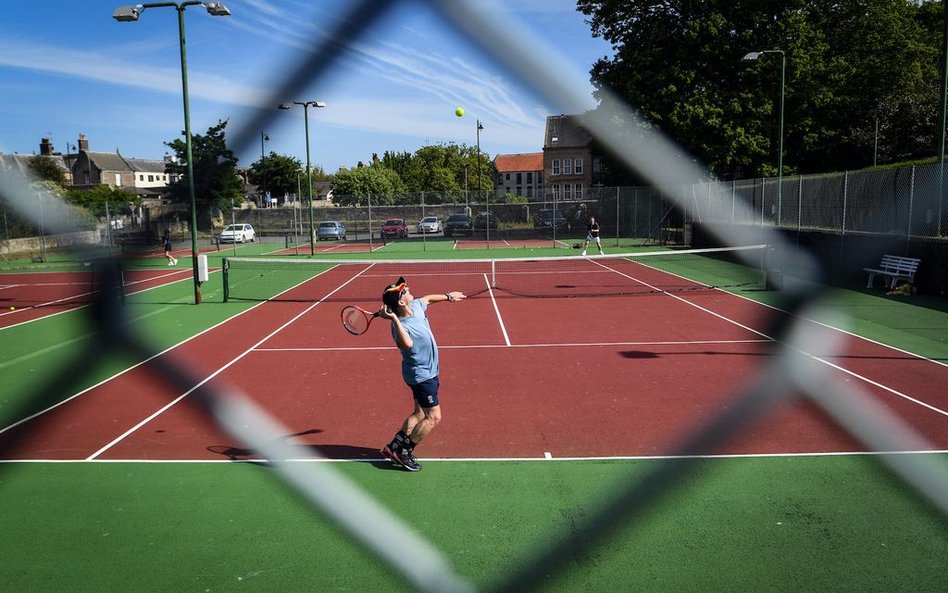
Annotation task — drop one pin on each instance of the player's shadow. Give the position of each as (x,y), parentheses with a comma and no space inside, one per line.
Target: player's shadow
(328,451)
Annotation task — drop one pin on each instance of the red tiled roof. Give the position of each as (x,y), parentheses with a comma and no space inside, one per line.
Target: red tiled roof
(519,162)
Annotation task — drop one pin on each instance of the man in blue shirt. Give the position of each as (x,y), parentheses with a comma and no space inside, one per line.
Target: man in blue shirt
(412,334)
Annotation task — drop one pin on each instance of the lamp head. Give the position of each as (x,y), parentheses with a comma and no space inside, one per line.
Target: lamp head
(317,103)
(217,9)
(127,14)
(751,56)
(285,106)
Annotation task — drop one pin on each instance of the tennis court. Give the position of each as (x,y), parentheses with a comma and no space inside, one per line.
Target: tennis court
(622,373)
(558,379)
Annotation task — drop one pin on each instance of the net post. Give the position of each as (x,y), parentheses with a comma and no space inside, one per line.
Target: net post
(225,267)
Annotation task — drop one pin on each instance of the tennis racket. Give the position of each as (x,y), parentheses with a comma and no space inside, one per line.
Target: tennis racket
(356,320)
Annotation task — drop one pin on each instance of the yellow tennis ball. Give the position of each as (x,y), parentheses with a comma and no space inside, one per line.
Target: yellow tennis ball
(13,308)
(459,112)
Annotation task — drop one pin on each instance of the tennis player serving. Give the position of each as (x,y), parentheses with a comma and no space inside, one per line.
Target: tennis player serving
(412,334)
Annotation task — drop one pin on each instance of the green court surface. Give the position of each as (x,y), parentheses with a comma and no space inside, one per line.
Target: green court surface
(751,524)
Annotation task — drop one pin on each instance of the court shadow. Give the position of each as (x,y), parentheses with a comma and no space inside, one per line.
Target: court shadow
(637,354)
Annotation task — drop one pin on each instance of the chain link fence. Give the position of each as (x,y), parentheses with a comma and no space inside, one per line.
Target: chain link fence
(900,202)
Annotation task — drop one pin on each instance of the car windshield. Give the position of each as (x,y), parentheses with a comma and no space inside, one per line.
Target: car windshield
(233,227)
(457,217)
(393,222)
(327,225)
(429,219)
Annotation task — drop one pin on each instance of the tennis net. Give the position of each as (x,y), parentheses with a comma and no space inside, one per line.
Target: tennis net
(362,280)
(295,279)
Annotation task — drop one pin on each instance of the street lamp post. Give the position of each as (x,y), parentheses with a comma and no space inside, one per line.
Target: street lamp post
(480,127)
(750,57)
(125,14)
(263,138)
(309,175)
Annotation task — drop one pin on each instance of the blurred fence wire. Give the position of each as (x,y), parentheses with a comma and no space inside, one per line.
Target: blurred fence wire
(792,372)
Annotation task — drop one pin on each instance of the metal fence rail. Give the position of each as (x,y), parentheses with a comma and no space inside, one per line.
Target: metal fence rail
(897,201)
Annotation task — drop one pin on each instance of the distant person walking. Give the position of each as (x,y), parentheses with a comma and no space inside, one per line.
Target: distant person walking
(592,234)
(166,241)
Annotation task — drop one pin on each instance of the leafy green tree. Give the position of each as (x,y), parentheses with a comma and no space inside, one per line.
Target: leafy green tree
(278,174)
(353,187)
(216,183)
(47,169)
(95,199)
(679,64)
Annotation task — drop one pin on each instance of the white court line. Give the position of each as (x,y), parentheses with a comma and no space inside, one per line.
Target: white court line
(541,345)
(500,319)
(503,459)
(223,368)
(807,354)
(80,305)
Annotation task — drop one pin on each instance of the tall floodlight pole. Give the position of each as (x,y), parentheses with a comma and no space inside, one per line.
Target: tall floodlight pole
(943,121)
(309,175)
(752,56)
(263,138)
(480,127)
(125,14)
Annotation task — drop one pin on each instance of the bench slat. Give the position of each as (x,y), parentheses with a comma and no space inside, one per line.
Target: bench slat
(895,267)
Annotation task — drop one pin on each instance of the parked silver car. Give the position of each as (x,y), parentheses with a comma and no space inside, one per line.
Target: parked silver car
(429,224)
(331,229)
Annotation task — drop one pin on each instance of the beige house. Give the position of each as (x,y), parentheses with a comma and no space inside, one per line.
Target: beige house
(520,175)
(567,158)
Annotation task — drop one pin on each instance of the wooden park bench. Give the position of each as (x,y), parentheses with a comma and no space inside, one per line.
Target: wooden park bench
(895,267)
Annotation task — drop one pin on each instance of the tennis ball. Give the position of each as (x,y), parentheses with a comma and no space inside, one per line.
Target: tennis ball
(459,112)
(13,308)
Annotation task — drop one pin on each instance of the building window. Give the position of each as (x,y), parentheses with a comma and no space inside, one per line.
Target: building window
(151,178)
(578,166)
(508,177)
(555,164)
(567,191)
(529,191)
(519,191)
(567,167)
(141,178)
(529,177)
(519,178)
(556,191)
(578,191)
(118,180)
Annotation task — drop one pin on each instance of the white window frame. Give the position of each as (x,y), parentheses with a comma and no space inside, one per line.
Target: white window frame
(578,166)
(567,166)
(555,166)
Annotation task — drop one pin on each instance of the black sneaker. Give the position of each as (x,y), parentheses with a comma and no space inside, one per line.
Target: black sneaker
(387,452)
(408,461)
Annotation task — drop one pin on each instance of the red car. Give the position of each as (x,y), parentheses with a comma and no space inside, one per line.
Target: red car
(394,227)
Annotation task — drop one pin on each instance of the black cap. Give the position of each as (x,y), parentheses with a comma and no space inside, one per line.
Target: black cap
(393,292)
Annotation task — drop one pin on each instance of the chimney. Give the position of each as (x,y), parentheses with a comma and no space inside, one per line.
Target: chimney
(83,143)
(46,147)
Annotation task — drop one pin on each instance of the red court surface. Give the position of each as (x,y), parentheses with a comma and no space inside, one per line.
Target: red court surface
(25,297)
(521,378)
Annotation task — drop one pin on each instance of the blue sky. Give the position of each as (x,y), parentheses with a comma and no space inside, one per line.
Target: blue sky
(66,67)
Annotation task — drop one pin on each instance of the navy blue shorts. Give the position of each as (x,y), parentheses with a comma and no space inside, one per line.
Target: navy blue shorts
(426,392)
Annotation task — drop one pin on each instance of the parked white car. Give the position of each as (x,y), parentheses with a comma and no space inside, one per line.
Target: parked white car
(429,224)
(238,233)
